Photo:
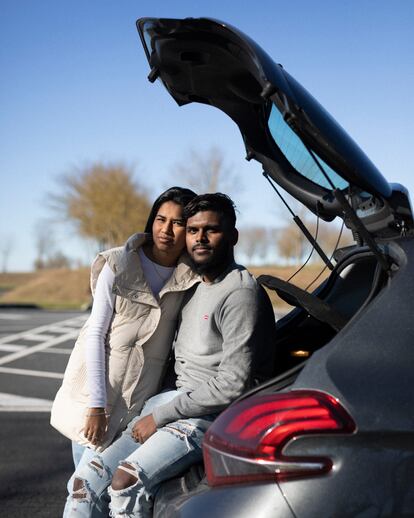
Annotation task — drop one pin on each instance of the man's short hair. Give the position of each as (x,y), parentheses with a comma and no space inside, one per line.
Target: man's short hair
(216,202)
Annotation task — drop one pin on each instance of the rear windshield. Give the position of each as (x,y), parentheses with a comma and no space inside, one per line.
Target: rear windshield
(299,157)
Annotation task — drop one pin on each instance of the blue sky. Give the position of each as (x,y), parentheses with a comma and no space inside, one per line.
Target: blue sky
(73,90)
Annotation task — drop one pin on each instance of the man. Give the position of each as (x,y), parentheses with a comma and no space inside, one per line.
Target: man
(224,345)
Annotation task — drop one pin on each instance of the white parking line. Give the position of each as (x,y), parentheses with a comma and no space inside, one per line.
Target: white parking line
(38,337)
(62,329)
(45,344)
(36,348)
(8,348)
(57,350)
(72,324)
(13,403)
(28,372)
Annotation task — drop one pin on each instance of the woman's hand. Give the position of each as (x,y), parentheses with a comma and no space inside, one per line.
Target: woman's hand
(95,425)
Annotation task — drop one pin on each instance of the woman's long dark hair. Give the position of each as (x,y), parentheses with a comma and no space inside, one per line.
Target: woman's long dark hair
(179,195)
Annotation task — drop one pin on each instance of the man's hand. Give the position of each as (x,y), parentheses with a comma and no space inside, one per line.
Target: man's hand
(144,428)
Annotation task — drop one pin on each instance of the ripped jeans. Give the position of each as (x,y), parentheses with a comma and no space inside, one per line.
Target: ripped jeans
(165,454)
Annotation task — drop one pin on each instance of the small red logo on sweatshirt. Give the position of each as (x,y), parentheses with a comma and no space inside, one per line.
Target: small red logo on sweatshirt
(205,317)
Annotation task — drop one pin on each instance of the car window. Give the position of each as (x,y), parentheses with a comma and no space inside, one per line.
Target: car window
(297,154)
(146,28)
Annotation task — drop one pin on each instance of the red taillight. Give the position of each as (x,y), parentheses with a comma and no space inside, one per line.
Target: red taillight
(245,444)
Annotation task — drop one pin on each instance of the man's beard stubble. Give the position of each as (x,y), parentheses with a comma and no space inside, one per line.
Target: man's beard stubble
(217,261)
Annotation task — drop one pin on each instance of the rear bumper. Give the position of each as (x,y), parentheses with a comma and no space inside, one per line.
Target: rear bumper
(243,501)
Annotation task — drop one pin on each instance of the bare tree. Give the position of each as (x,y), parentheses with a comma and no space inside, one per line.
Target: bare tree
(46,254)
(6,248)
(207,172)
(103,201)
(44,243)
(291,243)
(294,246)
(330,237)
(254,242)
(58,260)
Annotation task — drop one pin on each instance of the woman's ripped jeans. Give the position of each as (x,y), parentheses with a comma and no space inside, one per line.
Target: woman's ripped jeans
(139,468)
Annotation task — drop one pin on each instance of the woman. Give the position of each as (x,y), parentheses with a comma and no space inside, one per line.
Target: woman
(119,358)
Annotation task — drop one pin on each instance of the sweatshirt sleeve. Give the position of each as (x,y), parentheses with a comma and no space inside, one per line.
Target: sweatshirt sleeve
(100,319)
(237,323)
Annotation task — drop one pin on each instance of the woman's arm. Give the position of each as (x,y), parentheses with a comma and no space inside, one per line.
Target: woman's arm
(100,319)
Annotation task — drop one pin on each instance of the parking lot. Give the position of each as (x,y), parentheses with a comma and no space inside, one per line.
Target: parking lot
(35,459)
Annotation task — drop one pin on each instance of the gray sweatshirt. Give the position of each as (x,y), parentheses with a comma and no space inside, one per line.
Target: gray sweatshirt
(225,342)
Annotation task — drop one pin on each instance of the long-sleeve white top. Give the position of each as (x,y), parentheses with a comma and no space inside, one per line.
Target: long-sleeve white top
(100,320)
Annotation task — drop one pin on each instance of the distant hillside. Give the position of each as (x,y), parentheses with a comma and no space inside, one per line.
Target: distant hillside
(57,289)
(69,289)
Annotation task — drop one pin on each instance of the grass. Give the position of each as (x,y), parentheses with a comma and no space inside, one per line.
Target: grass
(51,289)
(69,289)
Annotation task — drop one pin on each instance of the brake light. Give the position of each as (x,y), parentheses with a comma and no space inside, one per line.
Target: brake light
(246,442)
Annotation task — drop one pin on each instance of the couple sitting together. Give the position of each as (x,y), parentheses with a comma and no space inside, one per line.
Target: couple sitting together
(172,292)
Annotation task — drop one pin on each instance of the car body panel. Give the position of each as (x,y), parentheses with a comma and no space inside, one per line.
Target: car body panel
(370,477)
(362,363)
(219,502)
(381,477)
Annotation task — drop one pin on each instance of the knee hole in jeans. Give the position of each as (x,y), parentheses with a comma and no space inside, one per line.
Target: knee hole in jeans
(125,476)
(79,489)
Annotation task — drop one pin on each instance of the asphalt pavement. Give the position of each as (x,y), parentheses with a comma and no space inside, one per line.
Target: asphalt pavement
(35,460)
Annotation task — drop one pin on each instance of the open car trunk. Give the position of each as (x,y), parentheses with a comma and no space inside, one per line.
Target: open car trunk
(300,146)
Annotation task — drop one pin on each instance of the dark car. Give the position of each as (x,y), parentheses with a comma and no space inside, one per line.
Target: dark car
(331,436)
